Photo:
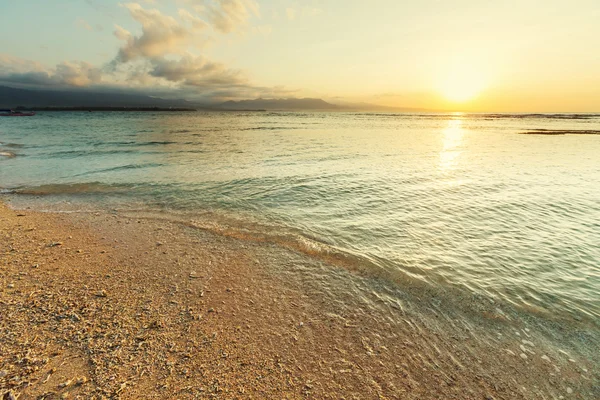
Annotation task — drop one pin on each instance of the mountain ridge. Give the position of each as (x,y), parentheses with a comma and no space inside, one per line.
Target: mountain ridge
(57,99)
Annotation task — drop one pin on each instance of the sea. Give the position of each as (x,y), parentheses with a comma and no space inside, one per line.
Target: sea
(502,208)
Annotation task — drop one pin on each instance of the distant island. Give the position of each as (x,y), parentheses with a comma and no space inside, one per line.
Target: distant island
(101,108)
(93,100)
(278,104)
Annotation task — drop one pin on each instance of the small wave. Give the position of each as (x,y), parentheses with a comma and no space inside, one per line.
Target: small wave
(72,188)
(270,128)
(7,154)
(486,116)
(155,143)
(544,116)
(85,153)
(133,143)
(561,132)
(121,167)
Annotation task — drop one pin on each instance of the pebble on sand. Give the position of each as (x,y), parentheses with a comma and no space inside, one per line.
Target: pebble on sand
(9,396)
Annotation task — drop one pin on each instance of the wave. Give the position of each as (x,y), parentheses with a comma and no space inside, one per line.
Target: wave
(486,116)
(120,168)
(71,188)
(85,153)
(378,270)
(12,145)
(270,128)
(7,154)
(561,132)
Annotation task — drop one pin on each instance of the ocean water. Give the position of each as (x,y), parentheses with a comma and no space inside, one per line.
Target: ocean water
(463,203)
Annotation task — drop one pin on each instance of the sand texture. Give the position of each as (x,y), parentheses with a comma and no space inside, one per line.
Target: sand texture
(101,305)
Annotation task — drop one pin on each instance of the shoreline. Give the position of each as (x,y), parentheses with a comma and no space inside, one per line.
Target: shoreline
(131,307)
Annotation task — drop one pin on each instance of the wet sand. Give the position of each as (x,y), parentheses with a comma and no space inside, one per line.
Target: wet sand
(101,305)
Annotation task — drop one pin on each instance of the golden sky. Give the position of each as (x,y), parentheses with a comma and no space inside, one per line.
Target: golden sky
(467,55)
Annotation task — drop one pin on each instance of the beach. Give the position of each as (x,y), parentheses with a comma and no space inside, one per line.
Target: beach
(103,305)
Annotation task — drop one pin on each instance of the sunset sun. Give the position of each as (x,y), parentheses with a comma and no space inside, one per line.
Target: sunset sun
(461,83)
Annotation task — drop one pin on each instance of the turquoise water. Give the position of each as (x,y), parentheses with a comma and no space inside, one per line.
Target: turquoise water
(452,201)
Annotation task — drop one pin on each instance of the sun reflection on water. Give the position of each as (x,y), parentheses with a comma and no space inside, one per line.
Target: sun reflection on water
(452,138)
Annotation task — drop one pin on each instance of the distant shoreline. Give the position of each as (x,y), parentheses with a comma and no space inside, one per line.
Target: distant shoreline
(139,109)
(90,109)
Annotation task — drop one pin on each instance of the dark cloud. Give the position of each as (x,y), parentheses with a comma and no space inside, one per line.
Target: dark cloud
(79,74)
(196,71)
(157,61)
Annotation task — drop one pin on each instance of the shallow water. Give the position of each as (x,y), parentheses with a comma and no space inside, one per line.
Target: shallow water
(460,203)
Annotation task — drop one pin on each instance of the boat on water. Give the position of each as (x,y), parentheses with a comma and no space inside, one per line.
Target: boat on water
(13,113)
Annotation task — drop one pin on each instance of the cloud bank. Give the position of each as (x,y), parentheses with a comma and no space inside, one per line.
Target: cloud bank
(67,73)
(161,56)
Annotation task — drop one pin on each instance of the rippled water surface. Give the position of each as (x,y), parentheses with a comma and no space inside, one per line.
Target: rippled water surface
(453,201)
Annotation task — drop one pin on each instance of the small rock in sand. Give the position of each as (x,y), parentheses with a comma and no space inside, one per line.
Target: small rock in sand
(65,384)
(523,356)
(101,293)
(81,380)
(193,275)
(569,390)
(11,285)
(9,396)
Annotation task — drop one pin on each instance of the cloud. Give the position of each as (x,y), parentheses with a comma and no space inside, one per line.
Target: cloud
(83,24)
(196,22)
(68,73)
(157,58)
(161,35)
(159,55)
(78,73)
(196,71)
(264,30)
(229,16)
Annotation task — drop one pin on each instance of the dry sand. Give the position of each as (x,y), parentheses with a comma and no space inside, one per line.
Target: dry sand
(109,306)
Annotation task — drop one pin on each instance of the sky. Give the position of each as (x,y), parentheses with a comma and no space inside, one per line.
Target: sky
(463,55)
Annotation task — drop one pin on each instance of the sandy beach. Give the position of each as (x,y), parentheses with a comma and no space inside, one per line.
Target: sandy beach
(102,305)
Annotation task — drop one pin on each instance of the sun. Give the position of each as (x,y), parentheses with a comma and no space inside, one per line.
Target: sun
(462,82)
